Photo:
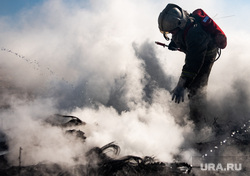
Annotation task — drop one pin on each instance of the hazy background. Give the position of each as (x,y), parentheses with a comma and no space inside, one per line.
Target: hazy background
(97,60)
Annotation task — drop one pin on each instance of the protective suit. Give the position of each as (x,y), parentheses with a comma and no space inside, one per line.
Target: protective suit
(200,49)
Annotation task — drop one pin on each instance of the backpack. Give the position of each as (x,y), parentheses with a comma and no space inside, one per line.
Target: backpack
(210,27)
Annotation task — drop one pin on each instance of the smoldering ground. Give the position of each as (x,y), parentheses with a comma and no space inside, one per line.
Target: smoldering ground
(90,74)
(109,73)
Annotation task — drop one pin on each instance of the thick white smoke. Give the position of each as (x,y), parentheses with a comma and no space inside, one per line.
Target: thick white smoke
(97,61)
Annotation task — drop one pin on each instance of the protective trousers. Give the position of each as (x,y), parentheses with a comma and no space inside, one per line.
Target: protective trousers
(197,90)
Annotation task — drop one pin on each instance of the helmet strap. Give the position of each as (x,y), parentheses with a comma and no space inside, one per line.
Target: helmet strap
(165,36)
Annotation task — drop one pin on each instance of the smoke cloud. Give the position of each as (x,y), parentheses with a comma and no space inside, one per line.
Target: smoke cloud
(98,61)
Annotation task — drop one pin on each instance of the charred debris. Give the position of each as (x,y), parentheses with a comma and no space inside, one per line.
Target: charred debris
(100,163)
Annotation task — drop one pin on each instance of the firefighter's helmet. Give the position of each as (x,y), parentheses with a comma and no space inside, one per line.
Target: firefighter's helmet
(172,17)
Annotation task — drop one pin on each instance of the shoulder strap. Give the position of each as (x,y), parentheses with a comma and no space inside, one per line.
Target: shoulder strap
(186,30)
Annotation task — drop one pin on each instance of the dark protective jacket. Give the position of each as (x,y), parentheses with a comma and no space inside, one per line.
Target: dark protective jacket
(200,51)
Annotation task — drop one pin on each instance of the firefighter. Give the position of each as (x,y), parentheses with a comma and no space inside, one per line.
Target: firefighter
(200,53)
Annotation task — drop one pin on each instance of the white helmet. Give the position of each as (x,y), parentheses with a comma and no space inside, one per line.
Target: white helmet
(172,17)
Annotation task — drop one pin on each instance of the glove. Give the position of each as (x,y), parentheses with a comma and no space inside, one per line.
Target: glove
(178,92)
(172,46)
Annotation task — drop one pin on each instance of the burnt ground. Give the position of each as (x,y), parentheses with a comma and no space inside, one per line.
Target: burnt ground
(101,164)
(236,140)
